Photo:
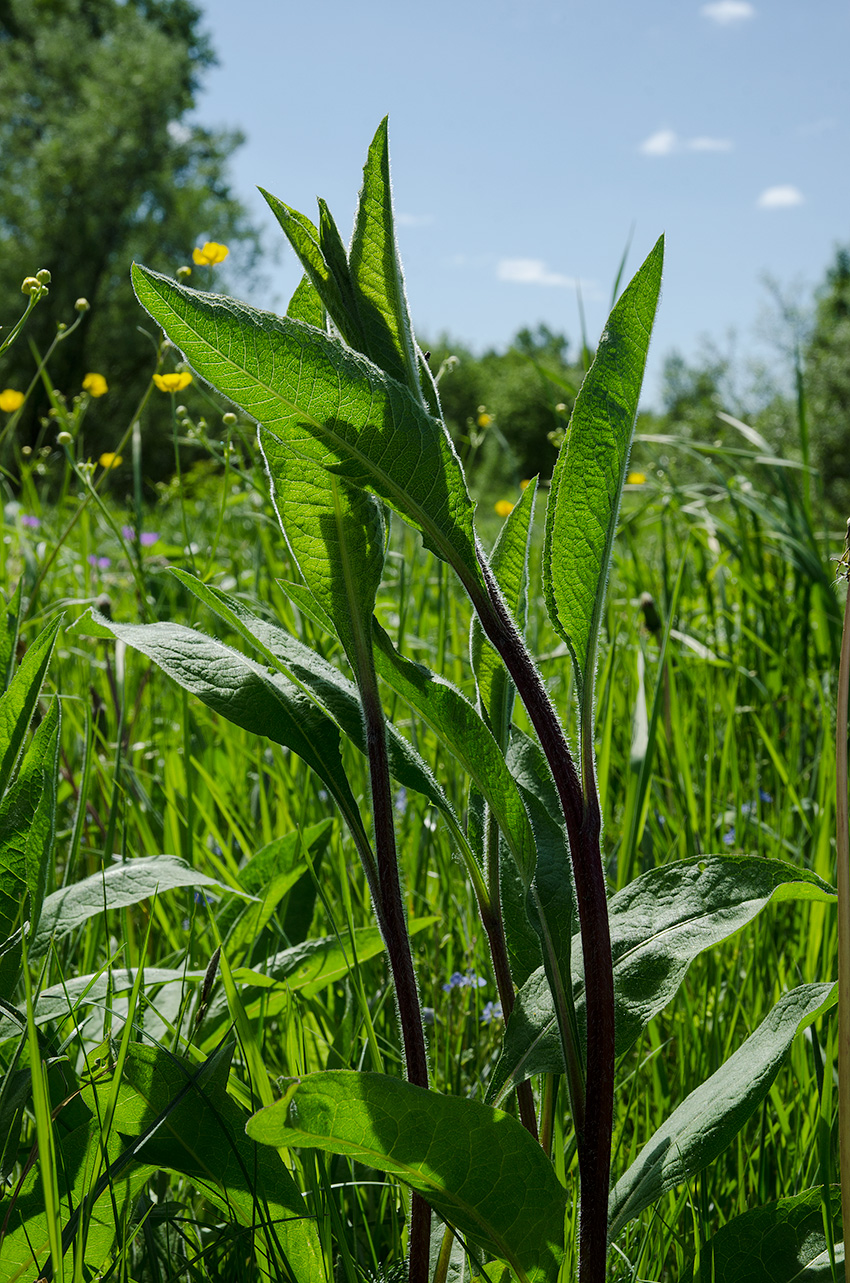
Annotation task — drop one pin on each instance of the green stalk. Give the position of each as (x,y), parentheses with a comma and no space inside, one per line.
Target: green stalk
(842,851)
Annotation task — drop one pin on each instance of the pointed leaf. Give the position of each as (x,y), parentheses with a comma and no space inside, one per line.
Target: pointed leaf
(584,499)
(18,703)
(479,1168)
(329,404)
(10,618)
(710,1118)
(659,924)
(376,272)
(306,305)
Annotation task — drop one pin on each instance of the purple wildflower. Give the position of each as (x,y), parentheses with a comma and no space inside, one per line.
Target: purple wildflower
(29,520)
(149,538)
(99,563)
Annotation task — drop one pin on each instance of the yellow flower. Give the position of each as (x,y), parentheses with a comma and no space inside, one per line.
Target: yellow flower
(211,254)
(110,460)
(173,382)
(95,385)
(636,479)
(523,485)
(504,507)
(484,420)
(11,399)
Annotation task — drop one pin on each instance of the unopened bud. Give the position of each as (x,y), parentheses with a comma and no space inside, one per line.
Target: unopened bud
(26,450)
(61,327)
(228,419)
(183,272)
(64,438)
(82,305)
(30,286)
(43,277)
(181,409)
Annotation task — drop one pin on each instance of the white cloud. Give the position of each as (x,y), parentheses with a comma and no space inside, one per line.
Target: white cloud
(782,197)
(530,271)
(727,12)
(664,142)
(661,143)
(414,220)
(709,144)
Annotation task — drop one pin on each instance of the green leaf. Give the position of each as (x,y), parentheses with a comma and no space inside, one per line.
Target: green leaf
(376,272)
(18,703)
(587,483)
(243,692)
(509,563)
(659,924)
(479,1169)
(336,536)
(114,887)
(459,725)
(10,619)
(328,404)
(781,1242)
(712,1115)
(306,304)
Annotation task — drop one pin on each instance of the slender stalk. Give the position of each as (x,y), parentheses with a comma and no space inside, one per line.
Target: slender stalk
(842,850)
(583,823)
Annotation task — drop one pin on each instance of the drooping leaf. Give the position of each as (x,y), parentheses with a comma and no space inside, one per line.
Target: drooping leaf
(712,1115)
(509,563)
(587,483)
(329,404)
(242,691)
(115,886)
(376,272)
(480,1169)
(781,1242)
(659,924)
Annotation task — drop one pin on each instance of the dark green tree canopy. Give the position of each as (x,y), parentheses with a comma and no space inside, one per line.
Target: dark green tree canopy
(101,168)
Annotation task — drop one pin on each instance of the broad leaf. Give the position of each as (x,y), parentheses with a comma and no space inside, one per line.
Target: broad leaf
(477,1167)
(376,273)
(710,1118)
(659,924)
(115,886)
(18,703)
(782,1242)
(10,619)
(587,483)
(306,305)
(329,404)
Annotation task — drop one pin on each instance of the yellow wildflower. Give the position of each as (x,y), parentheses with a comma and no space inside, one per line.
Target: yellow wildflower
(504,507)
(636,479)
(109,460)
(484,420)
(11,399)
(211,254)
(95,385)
(173,382)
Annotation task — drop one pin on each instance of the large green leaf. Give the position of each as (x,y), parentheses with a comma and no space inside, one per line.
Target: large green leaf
(115,886)
(712,1115)
(244,692)
(376,273)
(10,620)
(479,1169)
(587,483)
(329,404)
(18,702)
(659,924)
(782,1242)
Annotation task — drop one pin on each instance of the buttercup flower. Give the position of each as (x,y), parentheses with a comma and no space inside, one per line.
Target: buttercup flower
(95,385)
(210,254)
(11,399)
(504,507)
(636,479)
(173,382)
(484,420)
(109,460)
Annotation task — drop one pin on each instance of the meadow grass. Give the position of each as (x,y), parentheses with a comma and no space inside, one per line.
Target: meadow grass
(725,744)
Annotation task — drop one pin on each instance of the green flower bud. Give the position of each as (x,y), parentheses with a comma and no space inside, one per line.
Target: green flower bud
(43,277)
(228,419)
(64,438)
(82,305)
(31,286)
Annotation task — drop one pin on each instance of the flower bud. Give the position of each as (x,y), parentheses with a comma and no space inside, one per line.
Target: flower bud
(181,409)
(64,438)
(82,305)
(228,419)
(43,277)
(183,272)
(30,286)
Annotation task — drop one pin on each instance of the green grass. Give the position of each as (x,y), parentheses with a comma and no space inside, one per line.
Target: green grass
(734,753)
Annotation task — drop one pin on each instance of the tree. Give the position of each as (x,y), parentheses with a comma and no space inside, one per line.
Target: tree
(100,168)
(827,383)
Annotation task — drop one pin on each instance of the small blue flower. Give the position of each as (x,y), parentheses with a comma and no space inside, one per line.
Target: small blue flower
(492,1011)
(729,836)
(205,897)
(461,980)
(400,801)
(765,796)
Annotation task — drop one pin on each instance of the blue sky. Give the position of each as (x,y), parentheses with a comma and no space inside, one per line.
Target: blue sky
(528,137)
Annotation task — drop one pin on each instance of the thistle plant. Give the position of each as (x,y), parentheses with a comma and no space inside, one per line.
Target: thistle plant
(350,430)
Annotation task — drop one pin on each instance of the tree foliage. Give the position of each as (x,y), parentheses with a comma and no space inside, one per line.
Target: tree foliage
(100,168)
(827,377)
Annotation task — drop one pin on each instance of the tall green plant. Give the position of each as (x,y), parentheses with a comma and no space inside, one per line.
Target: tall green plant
(350,429)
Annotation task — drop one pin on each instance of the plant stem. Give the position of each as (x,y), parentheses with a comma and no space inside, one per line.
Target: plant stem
(842,851)
(583,823)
